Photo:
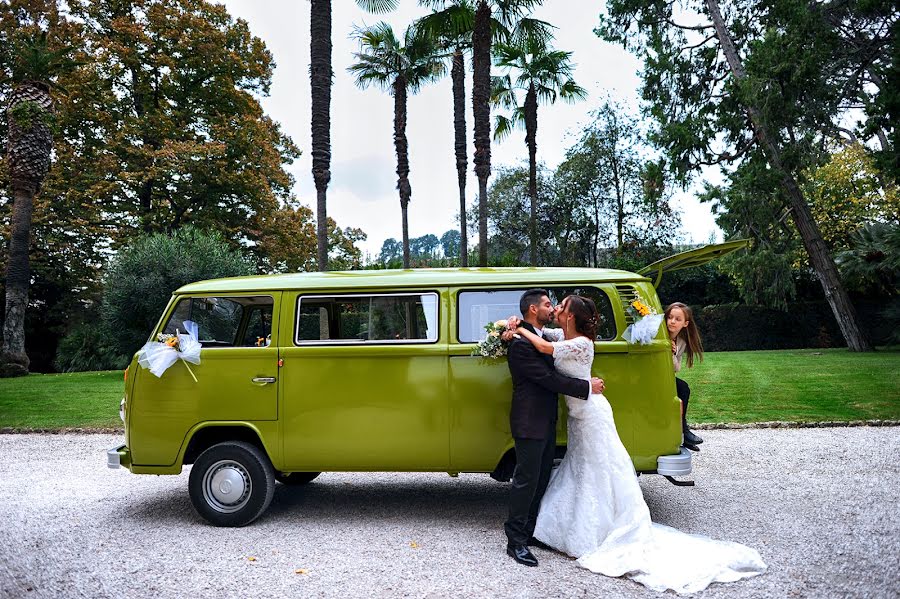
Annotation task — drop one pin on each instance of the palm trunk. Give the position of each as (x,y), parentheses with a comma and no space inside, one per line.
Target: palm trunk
(457,75)
(14,361)
(320,76)
(28,148)
(402,147)
(481,110)
(531,141)
(819,257)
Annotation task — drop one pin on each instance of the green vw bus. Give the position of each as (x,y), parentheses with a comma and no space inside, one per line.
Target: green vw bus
(372,371)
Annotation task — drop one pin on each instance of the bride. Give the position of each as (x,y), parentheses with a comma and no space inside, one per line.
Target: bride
(593,509)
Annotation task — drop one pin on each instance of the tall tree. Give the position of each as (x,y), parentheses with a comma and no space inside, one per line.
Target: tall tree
(398,68)
(182,118)
(606,176)
(320,79)
(32,64)
(506,21)
(769,83)
(450,244)
(544,75)
(450,25)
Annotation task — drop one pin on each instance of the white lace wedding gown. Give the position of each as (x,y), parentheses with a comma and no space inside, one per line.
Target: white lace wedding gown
(594,510)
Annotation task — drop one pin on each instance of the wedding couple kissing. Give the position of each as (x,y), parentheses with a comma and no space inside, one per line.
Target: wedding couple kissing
(591,507)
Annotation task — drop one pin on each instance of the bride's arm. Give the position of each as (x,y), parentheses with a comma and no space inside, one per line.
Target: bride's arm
(542,346)
(552,335)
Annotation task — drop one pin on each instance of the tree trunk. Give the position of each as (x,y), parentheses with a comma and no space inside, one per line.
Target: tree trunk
(819,257)
(481,110)
(320,77)
(620,200)
(531,141)
(14,361)
(457,75)
(402,147)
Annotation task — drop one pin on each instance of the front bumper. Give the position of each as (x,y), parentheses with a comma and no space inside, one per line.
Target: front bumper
(118,457)
(674,465)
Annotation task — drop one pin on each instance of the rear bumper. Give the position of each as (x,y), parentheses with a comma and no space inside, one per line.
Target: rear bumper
(674,465)
(118,457)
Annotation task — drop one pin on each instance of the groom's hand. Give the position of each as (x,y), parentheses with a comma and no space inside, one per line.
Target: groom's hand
(597,385)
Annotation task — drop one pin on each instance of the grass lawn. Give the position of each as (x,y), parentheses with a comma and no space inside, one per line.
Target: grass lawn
(753,386)
(794,385)
(78,399)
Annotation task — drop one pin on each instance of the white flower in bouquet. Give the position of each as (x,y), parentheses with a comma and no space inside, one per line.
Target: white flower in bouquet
(492,346)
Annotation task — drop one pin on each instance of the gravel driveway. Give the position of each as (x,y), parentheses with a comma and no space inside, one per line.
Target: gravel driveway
(820,505)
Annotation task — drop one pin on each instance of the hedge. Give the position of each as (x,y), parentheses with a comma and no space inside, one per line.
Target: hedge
(737,327)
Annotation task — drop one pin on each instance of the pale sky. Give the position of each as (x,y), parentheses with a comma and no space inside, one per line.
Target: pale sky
(363,191)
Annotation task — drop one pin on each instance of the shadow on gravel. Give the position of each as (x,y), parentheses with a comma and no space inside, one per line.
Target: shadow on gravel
(374,501)
(173,507)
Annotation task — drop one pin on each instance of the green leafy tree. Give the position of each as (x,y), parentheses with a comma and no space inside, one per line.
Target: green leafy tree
(182,122)
(767,83)
(343,252)
(141,278)
(509,202)
(391,251)
(398,67)
(451,245)
(615,193)
(847,192)
(542,75)
(425,246)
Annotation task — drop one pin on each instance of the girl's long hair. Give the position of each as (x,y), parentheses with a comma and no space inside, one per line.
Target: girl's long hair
(586,316)
(690,333)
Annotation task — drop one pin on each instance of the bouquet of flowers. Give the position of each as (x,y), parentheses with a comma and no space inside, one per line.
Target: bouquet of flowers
(492,346)
(157,356)
(646,322)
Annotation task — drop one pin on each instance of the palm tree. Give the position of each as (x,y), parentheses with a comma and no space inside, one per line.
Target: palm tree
(515,28)
(450,26)
(397,69)
(320,77)
(35,67)
(544,75)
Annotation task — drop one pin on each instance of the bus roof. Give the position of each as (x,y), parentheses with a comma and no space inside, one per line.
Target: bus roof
(410,278)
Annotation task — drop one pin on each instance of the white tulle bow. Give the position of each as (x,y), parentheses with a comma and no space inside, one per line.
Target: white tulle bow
(644,330)
(156,356)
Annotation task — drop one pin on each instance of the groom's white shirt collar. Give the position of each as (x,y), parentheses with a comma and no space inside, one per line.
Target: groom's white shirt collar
(540,332)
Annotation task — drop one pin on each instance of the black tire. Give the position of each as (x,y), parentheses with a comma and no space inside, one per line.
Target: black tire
(231,483)
(294,479)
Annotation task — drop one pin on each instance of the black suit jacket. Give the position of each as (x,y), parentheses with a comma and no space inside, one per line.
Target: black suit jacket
(536,389)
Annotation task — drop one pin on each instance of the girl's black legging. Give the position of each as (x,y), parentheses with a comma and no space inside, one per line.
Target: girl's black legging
(683,390)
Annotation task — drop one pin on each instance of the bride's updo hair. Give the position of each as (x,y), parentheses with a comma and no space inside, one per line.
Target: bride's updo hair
(584,311)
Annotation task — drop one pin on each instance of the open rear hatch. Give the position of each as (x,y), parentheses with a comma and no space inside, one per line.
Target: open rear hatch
(691,258)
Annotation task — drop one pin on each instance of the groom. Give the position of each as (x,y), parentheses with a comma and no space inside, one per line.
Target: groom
(532,419)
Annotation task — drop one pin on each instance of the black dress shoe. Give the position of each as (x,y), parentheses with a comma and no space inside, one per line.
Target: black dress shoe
(690,446)
(521,554)
(532,542)
(692,438)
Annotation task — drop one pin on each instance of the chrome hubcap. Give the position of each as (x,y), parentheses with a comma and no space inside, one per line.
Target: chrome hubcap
(227,486)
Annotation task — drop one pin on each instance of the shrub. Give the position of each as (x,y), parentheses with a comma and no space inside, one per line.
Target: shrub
(738,327)
(141,278)
(89,347)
